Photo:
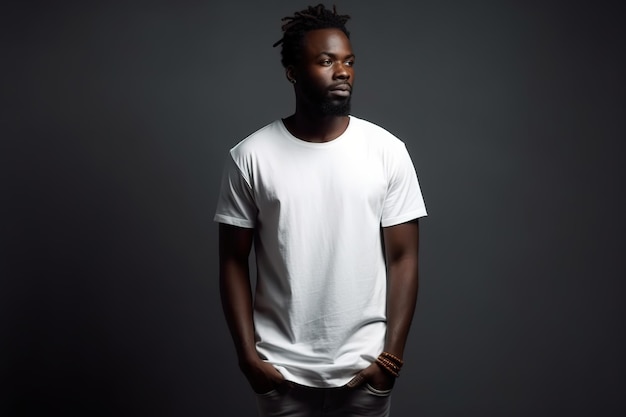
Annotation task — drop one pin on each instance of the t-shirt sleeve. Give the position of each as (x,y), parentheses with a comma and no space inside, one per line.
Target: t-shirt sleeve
(235,204)
(404,200)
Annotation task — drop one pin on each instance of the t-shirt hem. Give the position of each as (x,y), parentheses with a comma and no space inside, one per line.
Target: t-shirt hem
(311,383)
(403,218)
(233,221)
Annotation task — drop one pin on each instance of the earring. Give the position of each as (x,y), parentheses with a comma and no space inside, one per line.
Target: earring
(292,81)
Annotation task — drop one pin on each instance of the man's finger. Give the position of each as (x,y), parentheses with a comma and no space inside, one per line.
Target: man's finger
(356,381)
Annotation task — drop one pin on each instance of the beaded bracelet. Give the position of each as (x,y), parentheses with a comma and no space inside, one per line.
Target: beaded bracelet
(393,358)
(385,366)
(390,363)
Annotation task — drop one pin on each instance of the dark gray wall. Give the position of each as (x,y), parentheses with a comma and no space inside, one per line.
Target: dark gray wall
(116,118)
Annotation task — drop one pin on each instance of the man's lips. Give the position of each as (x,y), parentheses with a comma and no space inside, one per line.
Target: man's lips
(343,90)
(341,87)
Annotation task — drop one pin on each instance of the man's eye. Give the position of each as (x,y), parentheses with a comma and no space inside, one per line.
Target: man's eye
(327,62)
(350,63)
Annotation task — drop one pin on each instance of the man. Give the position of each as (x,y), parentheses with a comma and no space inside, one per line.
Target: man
(331,204)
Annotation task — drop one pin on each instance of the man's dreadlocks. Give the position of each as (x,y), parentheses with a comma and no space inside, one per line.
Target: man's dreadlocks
(296,26)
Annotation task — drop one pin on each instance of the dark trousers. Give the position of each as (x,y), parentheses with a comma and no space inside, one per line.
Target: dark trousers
(292,400)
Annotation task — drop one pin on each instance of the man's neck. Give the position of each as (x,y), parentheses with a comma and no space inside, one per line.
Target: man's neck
(314,128)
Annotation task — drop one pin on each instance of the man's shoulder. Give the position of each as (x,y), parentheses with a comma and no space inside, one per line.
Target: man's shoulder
(259,139)
(376,134)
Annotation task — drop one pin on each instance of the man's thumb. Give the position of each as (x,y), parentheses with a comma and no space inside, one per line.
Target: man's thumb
(357,380)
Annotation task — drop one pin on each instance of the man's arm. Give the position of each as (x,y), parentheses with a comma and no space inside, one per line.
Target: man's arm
(401,254)
(236,294)
(401,250)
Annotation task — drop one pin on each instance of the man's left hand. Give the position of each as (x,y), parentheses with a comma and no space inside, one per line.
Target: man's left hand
(375,376)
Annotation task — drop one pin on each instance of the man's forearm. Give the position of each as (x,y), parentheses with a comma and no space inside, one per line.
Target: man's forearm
(236,295)
(401,299)
(401,250)
(235,290)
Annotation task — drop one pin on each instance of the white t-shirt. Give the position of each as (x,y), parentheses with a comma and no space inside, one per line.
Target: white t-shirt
(317,209)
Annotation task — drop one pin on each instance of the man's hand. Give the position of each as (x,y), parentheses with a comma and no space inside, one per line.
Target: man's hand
(262,376)
(375,376)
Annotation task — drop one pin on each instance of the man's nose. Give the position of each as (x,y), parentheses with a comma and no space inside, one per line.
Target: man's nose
(342,72)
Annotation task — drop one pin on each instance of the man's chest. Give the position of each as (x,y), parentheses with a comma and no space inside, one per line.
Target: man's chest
(321,183)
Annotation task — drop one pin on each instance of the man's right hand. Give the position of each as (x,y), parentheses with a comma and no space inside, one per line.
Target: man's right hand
(262,376)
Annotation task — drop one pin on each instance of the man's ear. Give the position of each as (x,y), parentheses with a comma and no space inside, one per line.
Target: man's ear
(290,72)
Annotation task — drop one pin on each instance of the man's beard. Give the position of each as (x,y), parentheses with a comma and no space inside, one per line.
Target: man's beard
(326,105)
(330,107)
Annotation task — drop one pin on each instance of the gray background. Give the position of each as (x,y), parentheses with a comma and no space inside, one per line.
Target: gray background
(116,119)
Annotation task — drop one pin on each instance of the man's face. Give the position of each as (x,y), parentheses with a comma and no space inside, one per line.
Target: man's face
(326,71)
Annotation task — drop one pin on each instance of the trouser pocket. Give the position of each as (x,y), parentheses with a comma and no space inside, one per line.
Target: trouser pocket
(378,392)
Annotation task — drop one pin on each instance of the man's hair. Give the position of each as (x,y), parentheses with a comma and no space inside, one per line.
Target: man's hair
(296,26)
